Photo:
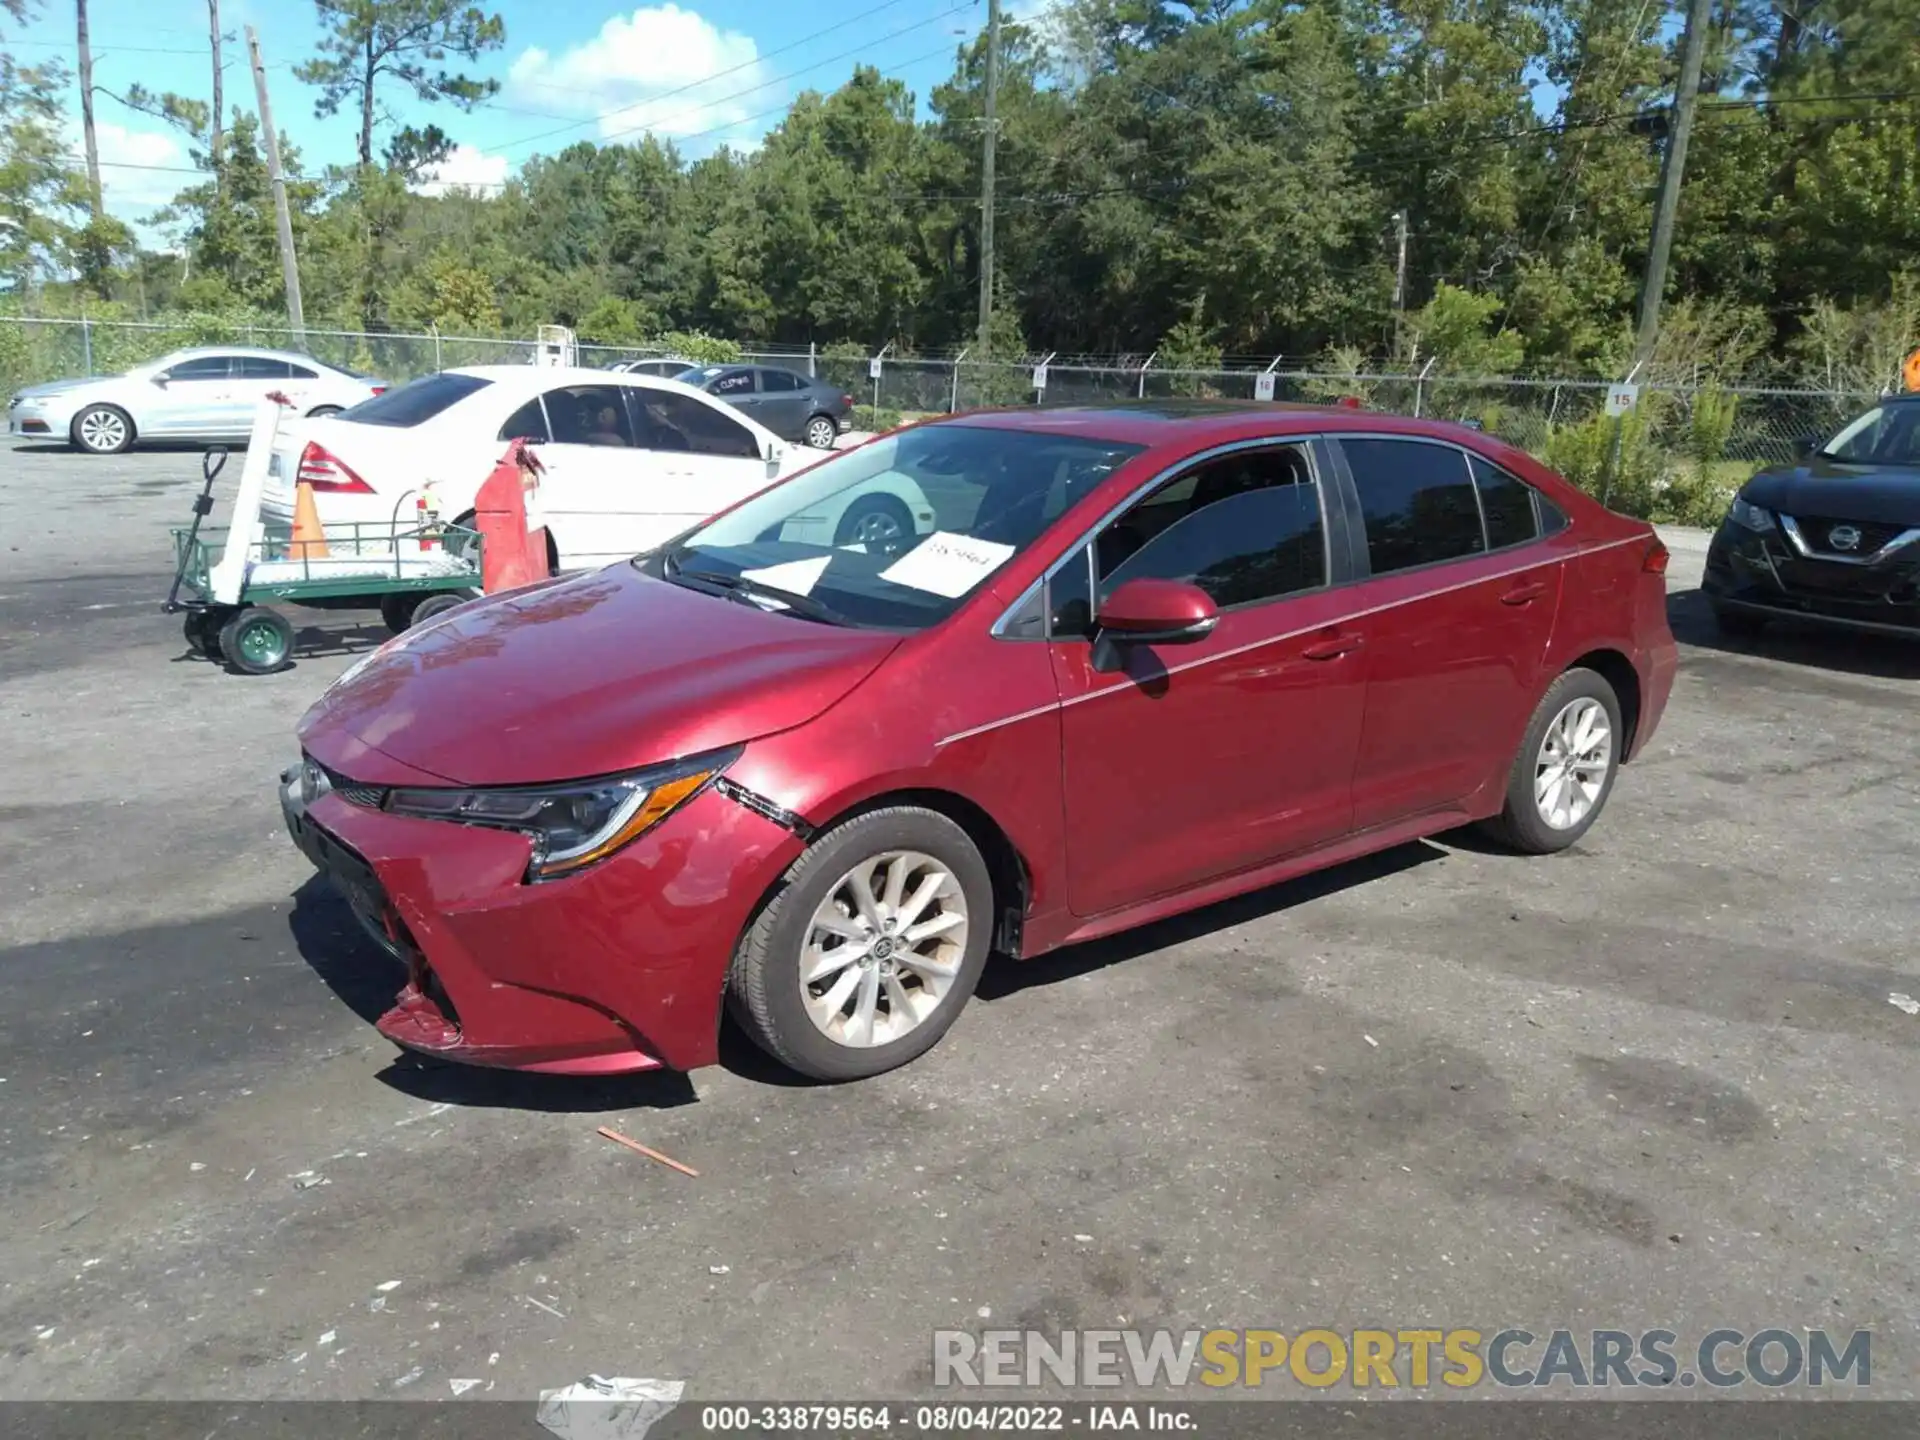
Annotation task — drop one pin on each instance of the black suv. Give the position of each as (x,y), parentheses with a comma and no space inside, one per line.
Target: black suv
(1833,537)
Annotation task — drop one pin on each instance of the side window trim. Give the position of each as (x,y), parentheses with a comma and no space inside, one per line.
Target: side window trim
(1534,503)
(1363,563)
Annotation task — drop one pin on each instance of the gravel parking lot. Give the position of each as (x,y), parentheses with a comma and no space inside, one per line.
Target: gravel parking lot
(1654,1082)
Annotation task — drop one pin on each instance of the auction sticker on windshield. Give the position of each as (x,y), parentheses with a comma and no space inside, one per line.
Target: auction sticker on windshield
(796,577)
(947,565)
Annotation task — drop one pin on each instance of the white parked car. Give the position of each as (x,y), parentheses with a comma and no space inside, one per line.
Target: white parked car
(204,394)
(631,461)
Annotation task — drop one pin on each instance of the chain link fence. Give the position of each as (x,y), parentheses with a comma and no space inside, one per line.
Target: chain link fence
(1679,454)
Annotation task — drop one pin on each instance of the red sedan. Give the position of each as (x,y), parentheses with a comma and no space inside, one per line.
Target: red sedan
(1150,658)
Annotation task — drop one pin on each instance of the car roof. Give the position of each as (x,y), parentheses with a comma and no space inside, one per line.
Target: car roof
(1153,423)
(194,352)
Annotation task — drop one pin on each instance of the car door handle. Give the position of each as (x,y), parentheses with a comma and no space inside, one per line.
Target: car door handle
(1332,648)
(1524,594)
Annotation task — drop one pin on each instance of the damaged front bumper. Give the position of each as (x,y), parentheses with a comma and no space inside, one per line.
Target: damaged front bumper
(620,968)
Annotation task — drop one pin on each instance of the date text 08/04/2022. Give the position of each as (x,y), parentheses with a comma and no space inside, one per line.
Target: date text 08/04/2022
(942,1418)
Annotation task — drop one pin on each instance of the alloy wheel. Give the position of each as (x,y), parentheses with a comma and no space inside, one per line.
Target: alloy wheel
(821,433)
(877,527)
(1570,772)
(884,949)
(102,430)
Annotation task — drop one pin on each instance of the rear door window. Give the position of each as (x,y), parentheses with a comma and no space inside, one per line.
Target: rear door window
(259,367)
(774,380)
(589,415)
(1506,503)
(1418,502)
(732,382)
(529,422)
(417,401)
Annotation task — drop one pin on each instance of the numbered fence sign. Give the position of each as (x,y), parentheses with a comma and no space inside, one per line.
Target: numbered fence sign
(1263,385)
(873,368)
(1621,399)
(1039,377)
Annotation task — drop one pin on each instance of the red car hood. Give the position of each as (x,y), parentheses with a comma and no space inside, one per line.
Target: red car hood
(599,673)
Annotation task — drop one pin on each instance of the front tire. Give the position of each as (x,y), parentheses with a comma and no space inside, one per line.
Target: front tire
(870,948)
(320,412)
(822,432)
(102,430)
(257,641)
(1565,770)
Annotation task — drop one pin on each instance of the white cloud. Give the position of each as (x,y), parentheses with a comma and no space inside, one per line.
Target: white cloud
(466,167)
(662,68)
(127,190)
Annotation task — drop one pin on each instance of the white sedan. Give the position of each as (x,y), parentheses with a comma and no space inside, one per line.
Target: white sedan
(630,461)
(209,393)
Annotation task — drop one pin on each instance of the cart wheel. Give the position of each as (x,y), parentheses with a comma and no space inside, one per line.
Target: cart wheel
(256,641)
(397,608)
(202,629)
(437,605)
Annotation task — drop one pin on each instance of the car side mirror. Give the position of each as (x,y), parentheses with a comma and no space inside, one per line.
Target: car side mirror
(1157,612)
(770,452)
(1804,446)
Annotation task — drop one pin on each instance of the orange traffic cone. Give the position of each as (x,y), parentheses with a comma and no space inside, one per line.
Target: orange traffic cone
(309,540)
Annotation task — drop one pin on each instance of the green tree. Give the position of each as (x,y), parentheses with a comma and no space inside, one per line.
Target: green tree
(399,40)
(42,193)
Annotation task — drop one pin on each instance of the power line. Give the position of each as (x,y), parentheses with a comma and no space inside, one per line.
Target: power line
(719,75)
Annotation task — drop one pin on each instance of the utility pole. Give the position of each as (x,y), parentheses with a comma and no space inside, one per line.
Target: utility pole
(288,268)
(86,114)
(219,115)
(1672,171)
(986,180)
(1399,276)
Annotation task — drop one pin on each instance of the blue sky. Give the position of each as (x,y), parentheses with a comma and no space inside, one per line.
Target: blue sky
(703,72)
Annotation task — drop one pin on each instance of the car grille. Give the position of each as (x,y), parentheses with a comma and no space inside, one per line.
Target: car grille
(370,797)
(1874,534)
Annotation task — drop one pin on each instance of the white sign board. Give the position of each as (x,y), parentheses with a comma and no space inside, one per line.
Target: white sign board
(1263,385)
(873,368)
(1621,399)
(1039,377)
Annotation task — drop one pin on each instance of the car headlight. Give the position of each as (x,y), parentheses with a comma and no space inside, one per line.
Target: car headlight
(576,824)
(1749,516)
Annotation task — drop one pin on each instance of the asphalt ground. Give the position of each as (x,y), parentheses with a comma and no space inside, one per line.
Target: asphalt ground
(1655,1082)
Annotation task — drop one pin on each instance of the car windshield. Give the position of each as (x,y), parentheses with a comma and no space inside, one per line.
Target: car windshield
(897,533)
(1885,435)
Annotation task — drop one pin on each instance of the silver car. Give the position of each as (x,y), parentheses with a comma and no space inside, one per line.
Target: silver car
(210,393)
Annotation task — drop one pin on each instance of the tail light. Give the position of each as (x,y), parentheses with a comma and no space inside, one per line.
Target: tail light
(324,470)
(378,389)
(1350,402)
(1656,558)
(847,400)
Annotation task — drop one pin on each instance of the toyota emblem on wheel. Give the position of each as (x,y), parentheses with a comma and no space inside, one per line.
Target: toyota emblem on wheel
(1844,537)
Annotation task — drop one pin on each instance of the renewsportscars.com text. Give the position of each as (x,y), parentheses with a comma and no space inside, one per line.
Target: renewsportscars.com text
(1394,1359)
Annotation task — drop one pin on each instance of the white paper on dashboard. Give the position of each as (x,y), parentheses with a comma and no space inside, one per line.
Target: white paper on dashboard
(796,577)
(946,564)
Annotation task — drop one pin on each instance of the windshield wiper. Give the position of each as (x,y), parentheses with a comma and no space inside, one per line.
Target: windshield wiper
(738,587)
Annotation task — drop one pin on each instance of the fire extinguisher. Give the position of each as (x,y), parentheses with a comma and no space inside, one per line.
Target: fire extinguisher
(426,514)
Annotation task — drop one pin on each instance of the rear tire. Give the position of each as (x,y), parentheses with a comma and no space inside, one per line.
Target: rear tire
(821,432)
(102,430)
(257,641)
(397,609)
(894,978)
(1565,769)
(438,604)
(1738,624)
(881,522)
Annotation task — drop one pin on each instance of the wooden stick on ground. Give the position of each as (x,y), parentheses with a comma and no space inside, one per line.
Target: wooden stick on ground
(639,1149)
